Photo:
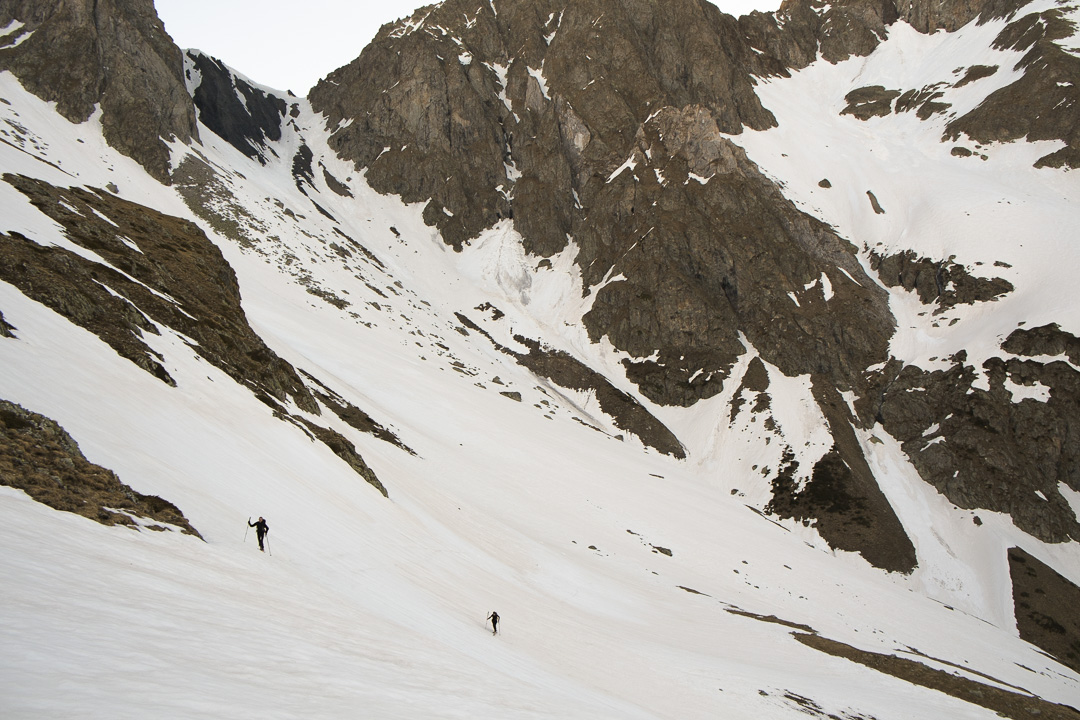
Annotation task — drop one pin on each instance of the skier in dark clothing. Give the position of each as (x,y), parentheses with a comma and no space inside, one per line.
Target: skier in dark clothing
(261,530)
(494,618)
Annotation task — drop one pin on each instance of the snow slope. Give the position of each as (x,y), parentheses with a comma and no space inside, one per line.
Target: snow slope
(375,608)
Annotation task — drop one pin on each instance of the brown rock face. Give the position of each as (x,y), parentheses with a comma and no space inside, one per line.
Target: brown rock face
(1045,604)
(710,249)
(942,283)
(112,53)
(842,499)
(477,110)
(38,457)
(984,448)
(528,109)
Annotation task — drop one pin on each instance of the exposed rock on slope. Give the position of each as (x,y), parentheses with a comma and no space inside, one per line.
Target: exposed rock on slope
(1046,606)
(566,371)
(995,695)
(6,330)
(248,124)
(465,106)
(1005,447)
(157,270)
(495,114)
(842,499)
(160,269)
(40,458)
(943,283)
(109,53)
(714,254)
(627,413)
(1044,104)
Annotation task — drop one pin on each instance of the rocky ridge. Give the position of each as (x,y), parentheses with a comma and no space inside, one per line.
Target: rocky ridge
(160,271)
(112,54)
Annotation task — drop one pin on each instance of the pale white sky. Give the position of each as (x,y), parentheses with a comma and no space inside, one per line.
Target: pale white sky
(290,45)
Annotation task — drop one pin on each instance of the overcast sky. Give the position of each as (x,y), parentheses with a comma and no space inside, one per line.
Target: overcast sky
(290,45)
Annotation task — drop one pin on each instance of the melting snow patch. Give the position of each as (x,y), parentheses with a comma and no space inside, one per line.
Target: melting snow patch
(1071,496)
(826,287)
(630,164)
(850,278)
(1035,391)
(538,76)
(850,398)
(130,243)
(794,299)
(500,73)
(104,218)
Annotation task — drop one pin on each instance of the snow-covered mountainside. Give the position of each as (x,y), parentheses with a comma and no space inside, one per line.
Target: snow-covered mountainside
(735,363)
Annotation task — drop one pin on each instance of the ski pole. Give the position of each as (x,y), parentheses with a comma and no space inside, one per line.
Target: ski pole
(246,529)
(268,545)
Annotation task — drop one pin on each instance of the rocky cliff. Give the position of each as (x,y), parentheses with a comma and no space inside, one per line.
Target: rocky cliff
(110,54)
(603,124)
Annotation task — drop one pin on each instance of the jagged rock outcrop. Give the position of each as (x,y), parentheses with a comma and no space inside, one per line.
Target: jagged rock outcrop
(942,283)
(345,450)
(566,371)
(171,275)
(40,458)
(494,111)
(161,270)
(802,30)
(1044,104)
(109,53)
(463,105)
(248,124)
(842,499)
(709,251)
(1004,441)
(626,412)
